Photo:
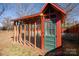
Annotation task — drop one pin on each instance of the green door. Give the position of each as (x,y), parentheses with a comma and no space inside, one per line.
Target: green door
(50,34)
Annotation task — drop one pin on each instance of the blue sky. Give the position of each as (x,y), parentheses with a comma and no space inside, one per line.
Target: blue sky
(11,9)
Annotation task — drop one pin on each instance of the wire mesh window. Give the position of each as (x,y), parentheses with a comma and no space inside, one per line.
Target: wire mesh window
(38,33)
(49,28)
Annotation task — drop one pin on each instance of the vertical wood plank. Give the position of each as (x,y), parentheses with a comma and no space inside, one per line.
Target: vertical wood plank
(24,35)
(58,33)
(35,34)
(42,32)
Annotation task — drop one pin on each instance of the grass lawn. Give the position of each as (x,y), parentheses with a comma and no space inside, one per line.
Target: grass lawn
(8,48)
(17,50)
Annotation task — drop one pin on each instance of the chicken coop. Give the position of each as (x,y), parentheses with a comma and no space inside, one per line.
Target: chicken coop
(42,29)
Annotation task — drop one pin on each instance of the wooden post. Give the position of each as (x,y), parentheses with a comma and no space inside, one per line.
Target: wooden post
(42,32)
(14,32)
(17,33)
(58,33)
(21,34)
(29,32)
(35,34)
(24,35)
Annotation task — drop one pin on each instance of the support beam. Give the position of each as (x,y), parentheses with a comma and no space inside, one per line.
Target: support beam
(58,33)
(29,32)
(35,34)
(20,34)
(42,32)
(24,35)
(14,32)
(17,33)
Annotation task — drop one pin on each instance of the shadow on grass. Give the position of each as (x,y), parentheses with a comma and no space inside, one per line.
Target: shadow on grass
(38,40)
(56,52)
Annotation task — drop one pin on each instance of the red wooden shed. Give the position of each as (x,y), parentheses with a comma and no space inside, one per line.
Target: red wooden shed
(42,29)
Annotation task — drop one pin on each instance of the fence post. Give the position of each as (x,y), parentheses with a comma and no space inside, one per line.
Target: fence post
(24,35)
(35,34)
(21,34)
(14,31)
(29,32)
(17,32)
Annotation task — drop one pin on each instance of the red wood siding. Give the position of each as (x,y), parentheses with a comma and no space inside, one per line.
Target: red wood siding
(58,33)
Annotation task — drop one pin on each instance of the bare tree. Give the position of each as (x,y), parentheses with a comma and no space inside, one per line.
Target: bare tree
(22,9)
(25,9)
(2,9)
(7,25)
(69,8)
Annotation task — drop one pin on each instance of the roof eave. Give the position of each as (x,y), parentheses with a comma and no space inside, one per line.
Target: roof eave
(54,5)
(27,17)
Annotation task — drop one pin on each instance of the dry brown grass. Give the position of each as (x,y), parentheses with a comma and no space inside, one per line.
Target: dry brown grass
(8,48)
